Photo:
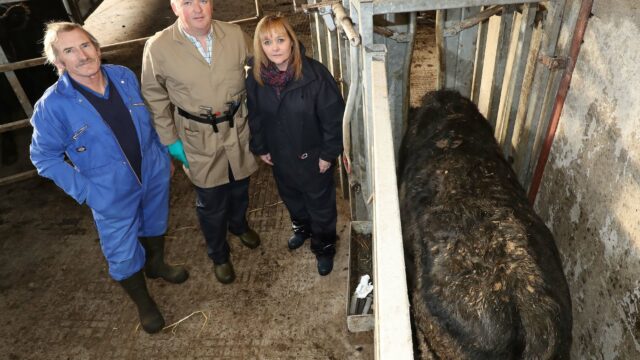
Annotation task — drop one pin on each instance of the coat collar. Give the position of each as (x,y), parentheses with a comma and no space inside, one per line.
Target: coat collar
(218,32)
(218,35)
(65,87)
(308,75)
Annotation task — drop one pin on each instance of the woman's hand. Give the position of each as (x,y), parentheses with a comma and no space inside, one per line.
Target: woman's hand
(324,166)
(267,158)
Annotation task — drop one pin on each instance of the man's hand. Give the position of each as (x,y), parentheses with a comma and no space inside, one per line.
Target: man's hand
(267,158)
(324,166)
(177,151)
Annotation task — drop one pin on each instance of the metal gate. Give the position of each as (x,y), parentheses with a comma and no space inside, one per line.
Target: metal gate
(507,56)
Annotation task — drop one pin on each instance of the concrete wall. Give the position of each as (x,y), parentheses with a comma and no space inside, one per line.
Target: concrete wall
(590,193)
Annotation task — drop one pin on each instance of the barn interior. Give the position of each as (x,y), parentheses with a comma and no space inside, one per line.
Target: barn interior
(553,77)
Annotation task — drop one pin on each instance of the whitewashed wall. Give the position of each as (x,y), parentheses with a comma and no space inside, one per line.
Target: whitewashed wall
(590,192)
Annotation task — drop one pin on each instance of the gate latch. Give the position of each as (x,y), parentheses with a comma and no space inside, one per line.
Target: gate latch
(553,62)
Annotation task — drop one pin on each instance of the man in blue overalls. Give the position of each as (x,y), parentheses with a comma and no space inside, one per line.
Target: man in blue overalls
(95,115)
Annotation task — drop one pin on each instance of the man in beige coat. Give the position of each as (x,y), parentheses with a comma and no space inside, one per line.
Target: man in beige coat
(193,82)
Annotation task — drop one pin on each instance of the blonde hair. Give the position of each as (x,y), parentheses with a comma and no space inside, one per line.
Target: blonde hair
(275,24)
(52,30)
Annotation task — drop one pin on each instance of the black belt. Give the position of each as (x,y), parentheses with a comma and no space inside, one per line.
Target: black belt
(211,118)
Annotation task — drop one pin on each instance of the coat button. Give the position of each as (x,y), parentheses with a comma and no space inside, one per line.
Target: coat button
(304,156)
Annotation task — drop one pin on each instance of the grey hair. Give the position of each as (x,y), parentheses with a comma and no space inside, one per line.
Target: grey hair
(52,30)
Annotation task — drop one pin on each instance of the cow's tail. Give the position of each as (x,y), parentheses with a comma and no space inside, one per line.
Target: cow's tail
(540,317)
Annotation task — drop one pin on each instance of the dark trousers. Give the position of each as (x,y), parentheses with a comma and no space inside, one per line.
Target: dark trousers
(316,207)
(219,208)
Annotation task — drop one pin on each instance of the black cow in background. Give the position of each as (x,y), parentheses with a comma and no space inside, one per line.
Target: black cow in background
(21,31)
(484,273)
(13,19)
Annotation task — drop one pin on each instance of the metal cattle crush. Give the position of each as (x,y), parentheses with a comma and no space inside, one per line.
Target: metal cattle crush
(508,56)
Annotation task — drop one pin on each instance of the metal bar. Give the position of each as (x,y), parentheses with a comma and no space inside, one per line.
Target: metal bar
(314,6)
(358,189)
(440,49)
(42,60)
(344,22)
(14,125)
(2,2)
(512,97)
(105,49)
(576,43)
(473,20)
(394,6)
(398,64)
(478,67)
(365,22)
(506,27)
(344,87)
(317,24)
(449,52)
(18,177)
(525,94)
(466,51)
(392,326)
(17,88)
(542,75)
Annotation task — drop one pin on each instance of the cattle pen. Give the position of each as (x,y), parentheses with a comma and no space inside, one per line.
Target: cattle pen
(507,56)
(513,59)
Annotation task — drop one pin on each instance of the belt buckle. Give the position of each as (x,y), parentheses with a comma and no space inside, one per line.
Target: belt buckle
(208,113)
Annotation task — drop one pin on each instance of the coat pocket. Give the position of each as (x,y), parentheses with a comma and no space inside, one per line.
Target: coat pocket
(111,190)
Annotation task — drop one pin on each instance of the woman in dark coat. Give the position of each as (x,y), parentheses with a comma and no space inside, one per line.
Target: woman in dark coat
(295,117)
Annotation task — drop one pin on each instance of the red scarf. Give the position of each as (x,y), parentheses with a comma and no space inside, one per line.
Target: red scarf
(272,76)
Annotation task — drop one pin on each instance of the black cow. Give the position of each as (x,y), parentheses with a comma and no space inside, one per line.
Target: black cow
(484,273)
(13,19)
(21,31)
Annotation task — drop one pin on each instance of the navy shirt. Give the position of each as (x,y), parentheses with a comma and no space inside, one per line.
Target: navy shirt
(116,114)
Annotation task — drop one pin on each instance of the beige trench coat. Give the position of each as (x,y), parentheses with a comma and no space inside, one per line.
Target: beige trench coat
(174,74)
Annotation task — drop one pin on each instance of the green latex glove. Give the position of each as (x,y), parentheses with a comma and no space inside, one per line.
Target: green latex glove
(177,151)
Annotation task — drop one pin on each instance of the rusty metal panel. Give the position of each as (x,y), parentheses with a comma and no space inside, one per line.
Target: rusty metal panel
(529,133)
(519,146)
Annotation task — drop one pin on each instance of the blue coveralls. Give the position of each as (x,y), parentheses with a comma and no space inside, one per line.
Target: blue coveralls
(64,122)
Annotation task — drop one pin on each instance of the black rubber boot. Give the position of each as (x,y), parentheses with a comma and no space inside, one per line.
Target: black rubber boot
(150,317)
(301,232)
(324,247)
(155,266)
(224,272)
(250,239)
